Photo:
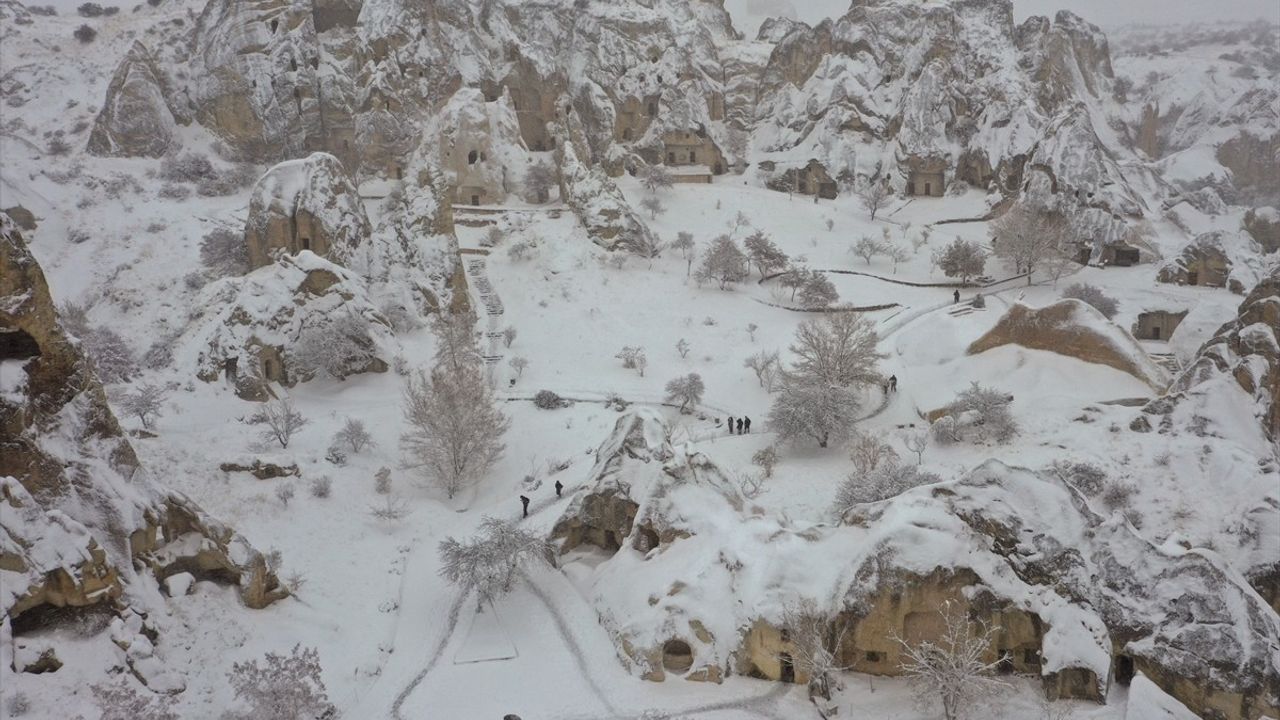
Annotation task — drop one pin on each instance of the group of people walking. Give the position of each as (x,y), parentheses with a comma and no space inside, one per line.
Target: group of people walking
(744,425)
(524,499)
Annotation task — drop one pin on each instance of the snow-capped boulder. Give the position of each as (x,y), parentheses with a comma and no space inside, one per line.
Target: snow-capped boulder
(307,204)
(1074,329)
(135,119)
(79,512)
(291,321)
(480,147)
(1218,259)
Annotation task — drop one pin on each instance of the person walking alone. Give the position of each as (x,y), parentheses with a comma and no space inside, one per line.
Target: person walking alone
(957,297)
(524,500)
(559,487)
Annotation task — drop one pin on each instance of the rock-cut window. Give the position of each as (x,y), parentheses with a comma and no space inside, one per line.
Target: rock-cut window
(472,157)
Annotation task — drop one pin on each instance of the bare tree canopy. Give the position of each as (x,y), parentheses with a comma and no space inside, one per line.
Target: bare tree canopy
(874,195)
(764,253)
(656,177)
(724,263)
(686,390)
(839,350)
(538,181)
(282,421)
(454,430)
(1026,236)
(488,562)
(814,640)
(813,411)
(953,669)
(963,259)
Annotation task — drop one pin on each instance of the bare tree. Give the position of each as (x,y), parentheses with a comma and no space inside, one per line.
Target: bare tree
(766,459)
(795,278)
(224,252)
(687,390)
(538,181)
(978,414)
(765,365)
(656,177)
(953,669)
(682,347)
(724,263)
(455,429)
(518,364)
(488,562)
(813,411)
(874,196)
(867,247)
(839,350)
(392,508)
(739,221)
(283,687)
(897,254)
(1093,295)
(751,330)
(916,441)
(508,335)
(456,345)
(354,435)
(818,291)
(282,421)
(814,640)
(963,259)
(285,493)
(338,347)
(146,403)
(688,250)
(868,452)
(630,356)
(1025,236)
(654,206)
(120,701)
(764,253)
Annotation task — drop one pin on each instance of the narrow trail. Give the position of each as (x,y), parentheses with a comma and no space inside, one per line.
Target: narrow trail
(562,629)
(445,636)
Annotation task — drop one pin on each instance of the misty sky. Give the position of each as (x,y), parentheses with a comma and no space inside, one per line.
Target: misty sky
(747,14)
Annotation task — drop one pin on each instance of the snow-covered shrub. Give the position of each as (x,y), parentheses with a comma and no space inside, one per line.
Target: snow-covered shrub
(813,411)
(954,669)
(194,280)
(339,348)
(78,236)
(382,481)
(1085,477)
(519,250)
(174,191)
(723,263)
(188,168)
(120,701)
(392,508)
(454,428)
(764,253)
(978,414)
(488,562)
(224,252)
(630,356)
(653,206)
(766,459)
(978,301)
(869,453)
(1117,495)
(548,400)
(57,146)
(868,247)
(18,704)
(508,335)
(686,390)
(85,34)
(336,455)
(282,687)
(353,435)
(93,10)
(110,354)
(889,480)
(518,364)
(818,291)
(963,259)
(227,182)
(285,493)
(1093,295)
(321,487)
(539,178)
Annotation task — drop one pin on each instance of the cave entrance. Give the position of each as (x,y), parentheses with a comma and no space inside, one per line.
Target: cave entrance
(677,656)
(787,672)
(84,620)
(17,344)
(1124,669)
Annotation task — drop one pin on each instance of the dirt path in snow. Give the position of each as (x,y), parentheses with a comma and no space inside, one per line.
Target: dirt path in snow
(436,654)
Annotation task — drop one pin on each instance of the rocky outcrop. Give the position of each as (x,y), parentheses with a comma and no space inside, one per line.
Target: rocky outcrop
(1263,225)
(598,203)
(1204,261)
(1074,329)
(135,120)
(479,146)
(308,204)
(80,515)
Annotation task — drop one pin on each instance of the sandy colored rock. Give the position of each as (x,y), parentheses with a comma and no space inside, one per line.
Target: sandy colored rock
(135,120)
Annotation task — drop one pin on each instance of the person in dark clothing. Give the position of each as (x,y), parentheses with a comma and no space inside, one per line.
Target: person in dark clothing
(739,426)
(730,424)
(559,487)
(524,500)
(748,425)
(957,296)
(893,383)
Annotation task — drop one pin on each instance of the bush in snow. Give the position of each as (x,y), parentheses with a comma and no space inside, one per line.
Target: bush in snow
(454,427)
(85,34)
(508,335)
(818,291)
(723,263)
(538,181)
(867,248)
(285,493)
(120,701)
(336,455)
(282,421)
(93,10)
(766,459)
(868,453)
(227,182)
(518,364)
(382,481)
(58,146)
(889,480)
(978,414)
(78,236)
(953,670)
(963,259)
(224,252)
(488,562)
(916,441)
(321,487)
(1085,477)
(1117,495)
(174,191)
(187,168)
(281,687)
(686,390)
(632,358)
(353,435)
(765,365)
(519,250)
(682,347)
(547,400)
(338,349)
(874,196)
(110,354)
(1093,295)
(392,508)
(656,177)
(146,402)
(764,253)
(815,638)
(653,206)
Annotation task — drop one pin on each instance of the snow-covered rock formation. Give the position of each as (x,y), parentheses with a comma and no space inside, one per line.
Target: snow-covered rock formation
(693,579)
(85,525)
(135,119)
(307,204)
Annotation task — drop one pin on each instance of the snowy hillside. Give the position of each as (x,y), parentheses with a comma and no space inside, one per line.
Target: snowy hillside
(585,359)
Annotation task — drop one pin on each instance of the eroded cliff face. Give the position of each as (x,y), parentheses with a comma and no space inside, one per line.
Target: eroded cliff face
(84,523)
(135,120)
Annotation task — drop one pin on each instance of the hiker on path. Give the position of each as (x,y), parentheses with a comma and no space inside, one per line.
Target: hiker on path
(559,487)
(893,383)
(739,426)
(748,424)
(730,424)
(524,500)
(957,296)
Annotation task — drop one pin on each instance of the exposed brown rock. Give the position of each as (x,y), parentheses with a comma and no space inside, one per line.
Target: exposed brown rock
(135,120)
